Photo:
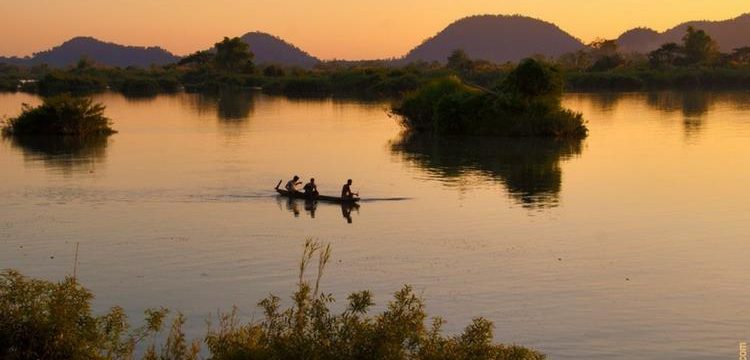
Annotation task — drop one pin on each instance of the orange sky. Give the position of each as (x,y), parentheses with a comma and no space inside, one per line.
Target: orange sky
(344,29)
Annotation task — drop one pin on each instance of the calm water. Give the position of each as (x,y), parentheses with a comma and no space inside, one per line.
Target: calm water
(630,244)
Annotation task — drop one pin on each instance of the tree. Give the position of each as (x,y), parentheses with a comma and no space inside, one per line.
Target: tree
(233,55)
(533,79)
(740,56)
(459,61)
(669,54)
(198,58)
(699,47)
(605,54)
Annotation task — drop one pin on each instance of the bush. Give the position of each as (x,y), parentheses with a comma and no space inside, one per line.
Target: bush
(44,320)
(307,86)
(527,103)
(57,82)
(61,115)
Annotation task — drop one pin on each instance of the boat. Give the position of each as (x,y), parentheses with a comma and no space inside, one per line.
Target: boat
(326,198)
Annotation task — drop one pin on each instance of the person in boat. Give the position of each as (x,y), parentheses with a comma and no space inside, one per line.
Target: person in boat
(311,190)
(291,185)
(346,191)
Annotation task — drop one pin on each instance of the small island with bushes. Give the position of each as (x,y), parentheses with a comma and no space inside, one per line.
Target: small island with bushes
(60,116)
(525,103)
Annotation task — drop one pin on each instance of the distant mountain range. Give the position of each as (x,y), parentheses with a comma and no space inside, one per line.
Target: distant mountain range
(729,34)
(496,38)
(69,52)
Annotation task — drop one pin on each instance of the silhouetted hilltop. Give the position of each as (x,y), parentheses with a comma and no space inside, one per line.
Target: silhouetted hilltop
(269,49)
(496,38)
(100,52)
(730,34)
(639,38)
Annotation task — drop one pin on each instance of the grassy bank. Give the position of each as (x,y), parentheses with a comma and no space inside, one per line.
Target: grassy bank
(47,320)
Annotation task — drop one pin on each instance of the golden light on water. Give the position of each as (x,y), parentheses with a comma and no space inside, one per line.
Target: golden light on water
(325,28)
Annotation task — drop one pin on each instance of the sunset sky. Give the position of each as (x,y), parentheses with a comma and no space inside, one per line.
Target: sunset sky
(344,29)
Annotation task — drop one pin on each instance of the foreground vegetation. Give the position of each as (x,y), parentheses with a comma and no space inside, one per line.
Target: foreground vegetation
(525,103)
(61,115)
(45,320)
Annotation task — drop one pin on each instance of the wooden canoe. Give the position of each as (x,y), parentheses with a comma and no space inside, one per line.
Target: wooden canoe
(326,198)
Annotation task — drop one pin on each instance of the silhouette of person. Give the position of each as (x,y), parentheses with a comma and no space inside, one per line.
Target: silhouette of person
(346,191)
(291,185)
(311,190)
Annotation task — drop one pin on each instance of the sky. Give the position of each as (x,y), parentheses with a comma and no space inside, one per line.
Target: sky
(328,29)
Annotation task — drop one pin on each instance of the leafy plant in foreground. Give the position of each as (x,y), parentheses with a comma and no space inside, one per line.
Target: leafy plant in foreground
(45,320)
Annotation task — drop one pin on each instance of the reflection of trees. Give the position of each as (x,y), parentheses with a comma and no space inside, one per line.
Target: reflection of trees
(690,103)
(693,105)
(529,168)
(67,153)
(606,101)
(230,106)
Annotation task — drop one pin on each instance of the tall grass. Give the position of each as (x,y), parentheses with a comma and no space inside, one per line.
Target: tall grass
(45,320)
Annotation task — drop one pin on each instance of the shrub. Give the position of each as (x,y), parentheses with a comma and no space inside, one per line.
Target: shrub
(45,320)
(61,115)
(527,103)
(57,82)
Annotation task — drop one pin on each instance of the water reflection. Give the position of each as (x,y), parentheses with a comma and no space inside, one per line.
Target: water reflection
(528,168)
(67,153)
(694,105)
(311,206)
(229,106)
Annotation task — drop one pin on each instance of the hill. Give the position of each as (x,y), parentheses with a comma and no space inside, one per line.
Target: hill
(269,49)
(496,38)
(730,34)
(104,53)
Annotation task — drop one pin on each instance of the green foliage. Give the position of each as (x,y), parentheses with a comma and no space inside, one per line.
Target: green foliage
(307,86)
(740,56)
(10,77)
(605,55)
(526,103)
(233,55)
(309,330)
(61,115)
(78,80)
(669,54)
(534,79)
(654,79)
(198,58)
(699,47)
(459,61)
(274,71)
(44,320)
